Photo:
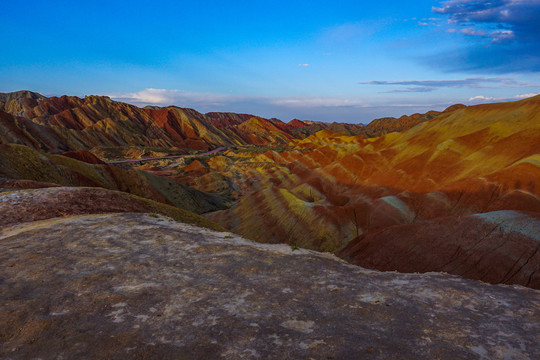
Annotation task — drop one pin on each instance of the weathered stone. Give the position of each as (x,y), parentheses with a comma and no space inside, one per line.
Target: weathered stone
(131,285)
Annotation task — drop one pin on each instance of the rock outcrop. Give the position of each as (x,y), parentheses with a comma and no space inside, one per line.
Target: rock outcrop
(129,285)
(42,203)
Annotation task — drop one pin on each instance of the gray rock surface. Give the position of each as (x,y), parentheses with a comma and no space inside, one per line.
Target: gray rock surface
(129,285)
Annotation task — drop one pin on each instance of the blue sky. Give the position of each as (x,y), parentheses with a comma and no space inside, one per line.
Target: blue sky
(350,61)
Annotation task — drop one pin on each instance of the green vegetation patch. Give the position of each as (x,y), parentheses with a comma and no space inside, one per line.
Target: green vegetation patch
(22,162)
(85,169)
(177,214)
(183,196)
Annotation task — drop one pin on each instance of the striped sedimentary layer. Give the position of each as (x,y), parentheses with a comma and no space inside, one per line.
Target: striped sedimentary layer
(332,191)
(497,247)
(67,123)
(59,124)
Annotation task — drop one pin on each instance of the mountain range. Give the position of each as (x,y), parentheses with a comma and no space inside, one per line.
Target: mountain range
(67,123)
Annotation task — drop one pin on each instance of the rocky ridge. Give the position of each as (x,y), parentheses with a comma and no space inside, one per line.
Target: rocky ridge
(70,123)
(136,286)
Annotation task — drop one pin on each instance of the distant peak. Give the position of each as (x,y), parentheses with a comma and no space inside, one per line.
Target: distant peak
(21,94)
(454,107)
(297,121)
(296,124)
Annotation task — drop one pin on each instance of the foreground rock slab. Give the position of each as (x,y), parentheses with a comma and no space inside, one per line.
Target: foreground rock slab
(132,285)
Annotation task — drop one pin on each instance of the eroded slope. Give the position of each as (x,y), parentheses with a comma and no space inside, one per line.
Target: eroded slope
(329,191)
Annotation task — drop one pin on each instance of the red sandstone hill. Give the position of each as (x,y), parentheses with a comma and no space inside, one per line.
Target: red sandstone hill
(68,123)
(261,131)
(296,124)
(496,247)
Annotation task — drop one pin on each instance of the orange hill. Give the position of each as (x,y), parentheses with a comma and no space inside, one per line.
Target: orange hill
(332,191)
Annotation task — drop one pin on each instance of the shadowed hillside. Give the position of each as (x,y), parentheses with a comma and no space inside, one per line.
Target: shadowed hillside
(21,162)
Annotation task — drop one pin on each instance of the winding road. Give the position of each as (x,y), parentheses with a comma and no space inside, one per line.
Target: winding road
(165,157)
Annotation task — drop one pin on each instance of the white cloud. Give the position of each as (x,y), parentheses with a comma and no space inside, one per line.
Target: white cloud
(306,101)
(473,32)
(150,95)
(501,35)
(164,97)
(481,98)
(523,96)
(303,65)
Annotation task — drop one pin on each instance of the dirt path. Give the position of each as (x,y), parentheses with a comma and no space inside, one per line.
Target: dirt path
(165,157)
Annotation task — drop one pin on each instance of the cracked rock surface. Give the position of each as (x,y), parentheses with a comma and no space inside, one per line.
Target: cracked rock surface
(131,285)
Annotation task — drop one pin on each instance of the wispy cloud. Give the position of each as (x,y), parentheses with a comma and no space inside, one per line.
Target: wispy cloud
(303,65)
(164,97)
(473,32)
(412,89)
(150,95)
(323,108)
(313,101)
(524,96)
(427,21)
(503,35)
(482,98)
(432,85)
